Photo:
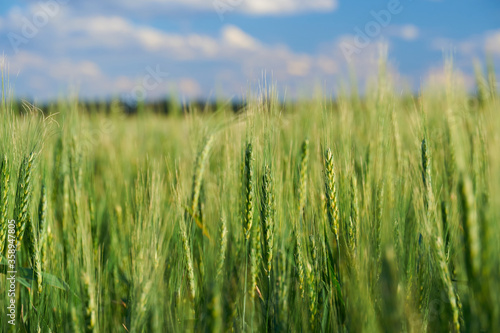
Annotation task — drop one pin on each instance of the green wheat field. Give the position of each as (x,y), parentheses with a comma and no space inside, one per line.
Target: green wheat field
(360,213)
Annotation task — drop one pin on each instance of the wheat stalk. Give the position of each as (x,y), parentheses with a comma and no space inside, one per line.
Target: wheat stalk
(299,261)
(200,165)
(248,192)
(267,218)
(90,314)
(331,194)
(471,229)
(440,248)
(23,196)
(352,235)
(255,256)
(4,201)
(34,252)
(302,190)
(189,261)
(378,227)
(312,295)
(222,249)
(248,195)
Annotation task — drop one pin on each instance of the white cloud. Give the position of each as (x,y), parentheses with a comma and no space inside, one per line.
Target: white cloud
(406,32)
(103,25)
(44,75)
(79,69)
(492,42)
(64,68)
(233,45)
(109,54)
(265,7)
(251,7)
(26,60)
(474,46)
(439,77)
(327,65)
(441,43)
(116,34)
(123,83)
(188,87)
(235,37)
(299,66)
(409,32)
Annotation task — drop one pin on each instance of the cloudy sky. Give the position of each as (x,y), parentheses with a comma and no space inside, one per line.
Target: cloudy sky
(202,48)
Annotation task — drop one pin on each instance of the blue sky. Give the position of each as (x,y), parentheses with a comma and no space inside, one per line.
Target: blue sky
(198,48)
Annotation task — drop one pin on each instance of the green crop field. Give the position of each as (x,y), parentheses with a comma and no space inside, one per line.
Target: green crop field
(360,213)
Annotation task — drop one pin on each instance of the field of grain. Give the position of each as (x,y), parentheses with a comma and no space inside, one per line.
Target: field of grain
(355,214)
